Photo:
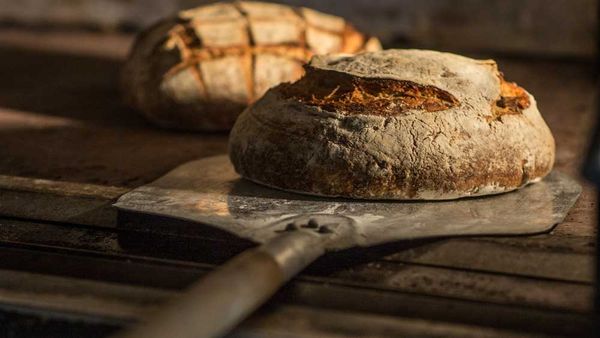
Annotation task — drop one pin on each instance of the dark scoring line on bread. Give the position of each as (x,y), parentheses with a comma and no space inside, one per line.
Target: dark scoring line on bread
(349,94)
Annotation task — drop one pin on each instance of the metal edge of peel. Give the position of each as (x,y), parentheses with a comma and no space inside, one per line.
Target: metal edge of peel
(252,216)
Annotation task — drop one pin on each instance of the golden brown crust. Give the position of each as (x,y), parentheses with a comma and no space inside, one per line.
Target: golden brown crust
(241,31)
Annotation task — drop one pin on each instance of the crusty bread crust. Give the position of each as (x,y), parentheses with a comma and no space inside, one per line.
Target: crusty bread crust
(452,128)
(198,71)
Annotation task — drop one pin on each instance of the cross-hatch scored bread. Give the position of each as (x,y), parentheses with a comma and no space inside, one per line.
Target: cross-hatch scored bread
(395,124)
(198,71)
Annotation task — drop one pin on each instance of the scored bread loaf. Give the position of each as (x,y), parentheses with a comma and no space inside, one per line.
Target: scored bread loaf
(199,70)
(395,124)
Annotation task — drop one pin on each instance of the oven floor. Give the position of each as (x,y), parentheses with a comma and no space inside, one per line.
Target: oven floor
(69,148)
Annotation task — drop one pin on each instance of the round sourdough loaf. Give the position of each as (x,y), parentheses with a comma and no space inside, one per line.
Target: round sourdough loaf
(395,124)
(199,70)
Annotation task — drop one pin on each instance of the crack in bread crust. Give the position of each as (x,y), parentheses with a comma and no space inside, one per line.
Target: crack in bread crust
(513,100)
(349,95)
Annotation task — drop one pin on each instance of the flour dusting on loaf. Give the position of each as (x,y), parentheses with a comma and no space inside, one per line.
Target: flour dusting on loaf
(395,124)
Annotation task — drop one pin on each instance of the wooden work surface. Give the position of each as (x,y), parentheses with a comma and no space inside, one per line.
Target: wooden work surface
(68,148)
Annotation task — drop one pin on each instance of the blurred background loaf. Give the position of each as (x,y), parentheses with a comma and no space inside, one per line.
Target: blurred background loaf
(199,69)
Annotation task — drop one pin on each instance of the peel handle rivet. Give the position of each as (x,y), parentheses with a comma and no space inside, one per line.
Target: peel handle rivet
(312,223)
(291,227)
(325,230)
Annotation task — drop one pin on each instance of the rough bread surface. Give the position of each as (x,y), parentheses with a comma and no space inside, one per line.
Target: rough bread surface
(199,70)
(395,124)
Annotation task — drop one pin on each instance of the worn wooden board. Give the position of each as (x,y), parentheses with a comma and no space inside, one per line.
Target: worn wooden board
(312,291)
(118,305)
(110,253)
(69,202)
(63,161)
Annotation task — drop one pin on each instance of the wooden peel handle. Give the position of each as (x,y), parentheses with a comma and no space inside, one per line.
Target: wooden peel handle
(221,300)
